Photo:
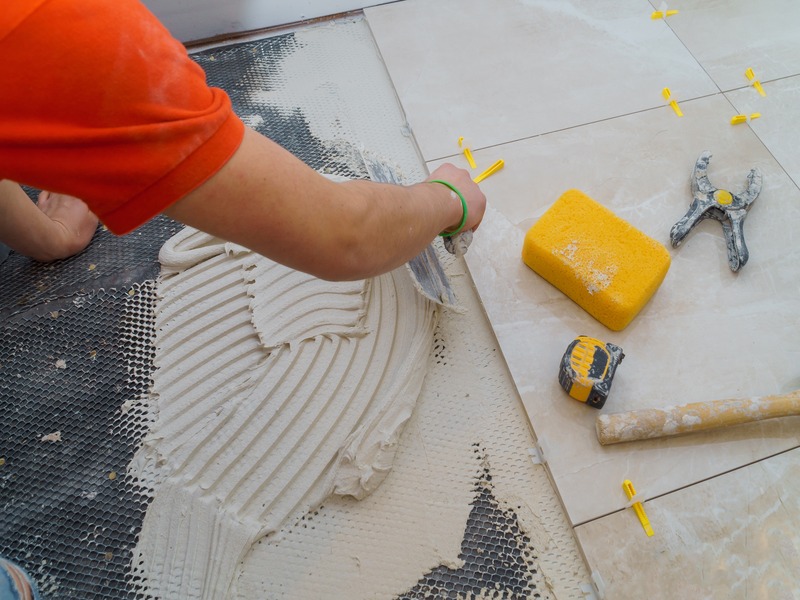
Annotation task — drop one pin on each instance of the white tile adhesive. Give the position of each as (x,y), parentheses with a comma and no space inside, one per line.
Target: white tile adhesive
(280,399)
(274,389)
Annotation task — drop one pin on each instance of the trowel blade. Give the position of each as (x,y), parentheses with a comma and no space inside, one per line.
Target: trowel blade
(426,268)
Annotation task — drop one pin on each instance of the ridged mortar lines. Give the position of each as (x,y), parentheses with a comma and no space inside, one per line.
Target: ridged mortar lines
(274,389)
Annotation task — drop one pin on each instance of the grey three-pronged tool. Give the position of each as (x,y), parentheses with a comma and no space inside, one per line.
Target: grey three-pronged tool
(713,203)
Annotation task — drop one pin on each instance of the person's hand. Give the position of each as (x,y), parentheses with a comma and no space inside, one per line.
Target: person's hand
(462,181)
(74,224)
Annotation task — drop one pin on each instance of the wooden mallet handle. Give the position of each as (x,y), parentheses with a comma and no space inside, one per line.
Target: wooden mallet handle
(697,416)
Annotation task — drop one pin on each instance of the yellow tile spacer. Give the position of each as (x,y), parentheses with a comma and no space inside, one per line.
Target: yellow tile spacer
(490,171)
(667,93)
(739,119)
(470,160)
(460,141)
(661,14)
(751,76)
(637,507)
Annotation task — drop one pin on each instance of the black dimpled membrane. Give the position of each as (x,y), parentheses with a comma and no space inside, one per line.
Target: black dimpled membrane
(76,360)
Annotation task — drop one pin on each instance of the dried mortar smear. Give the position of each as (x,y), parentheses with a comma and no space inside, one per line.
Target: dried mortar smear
(273,390)
(583,260)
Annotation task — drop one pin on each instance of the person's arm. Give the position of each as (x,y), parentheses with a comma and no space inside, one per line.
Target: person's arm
(58,227)
(272,203)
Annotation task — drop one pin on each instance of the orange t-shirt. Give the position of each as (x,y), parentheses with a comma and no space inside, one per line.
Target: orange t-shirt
(99,101)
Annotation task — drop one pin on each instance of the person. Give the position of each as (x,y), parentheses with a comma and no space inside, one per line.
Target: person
(15,583)
(56,227)
(101,103)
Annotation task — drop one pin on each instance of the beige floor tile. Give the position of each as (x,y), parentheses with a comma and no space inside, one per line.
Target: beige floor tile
(504,70)
(730,537)
(777,126)
(728,36)
(708,333)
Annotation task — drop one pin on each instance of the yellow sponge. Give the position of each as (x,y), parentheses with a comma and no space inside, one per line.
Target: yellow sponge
(607,266)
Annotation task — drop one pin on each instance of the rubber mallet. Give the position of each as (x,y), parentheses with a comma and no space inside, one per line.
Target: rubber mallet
(688,418)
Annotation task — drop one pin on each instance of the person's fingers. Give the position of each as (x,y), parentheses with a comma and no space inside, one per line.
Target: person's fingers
(43,200)
(73,216)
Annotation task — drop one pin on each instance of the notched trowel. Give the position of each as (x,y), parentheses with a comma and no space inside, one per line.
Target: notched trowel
(426,269)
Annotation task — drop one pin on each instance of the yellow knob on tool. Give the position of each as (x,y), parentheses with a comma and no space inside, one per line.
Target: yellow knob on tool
(723,197)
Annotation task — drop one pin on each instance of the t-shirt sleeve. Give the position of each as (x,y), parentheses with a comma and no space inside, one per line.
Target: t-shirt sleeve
(107,106)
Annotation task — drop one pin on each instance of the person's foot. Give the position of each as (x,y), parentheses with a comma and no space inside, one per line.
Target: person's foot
(15,583)
(75,223)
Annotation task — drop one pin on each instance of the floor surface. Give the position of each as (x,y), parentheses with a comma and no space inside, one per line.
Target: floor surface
(465,511)
(569,94)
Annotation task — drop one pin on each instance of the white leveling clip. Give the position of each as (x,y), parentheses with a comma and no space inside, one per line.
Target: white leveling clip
(667,93)
(467,152)
(662,12)
(637,507)
(751,76)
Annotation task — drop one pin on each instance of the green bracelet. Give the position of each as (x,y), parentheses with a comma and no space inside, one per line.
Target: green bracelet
(463,207)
